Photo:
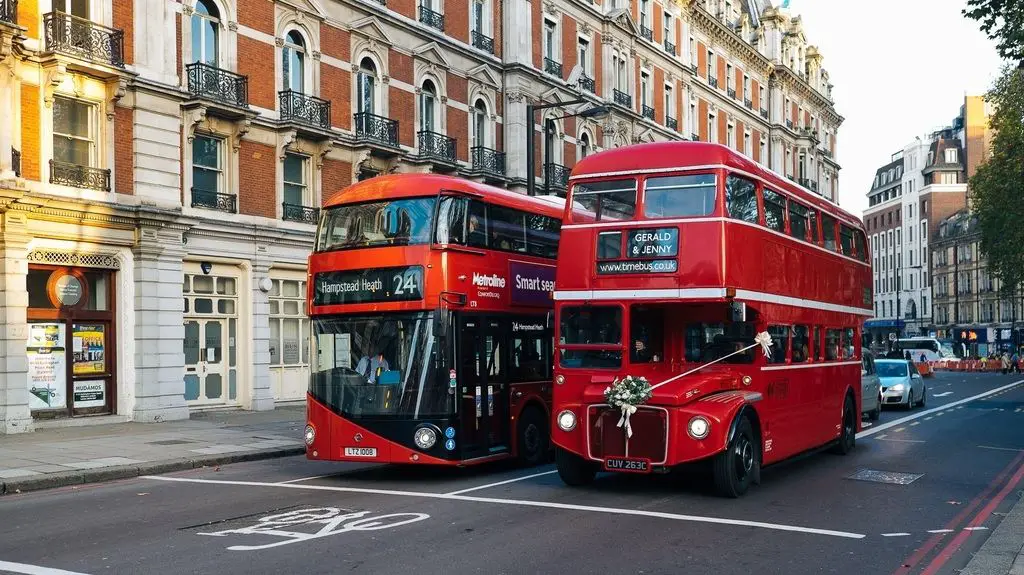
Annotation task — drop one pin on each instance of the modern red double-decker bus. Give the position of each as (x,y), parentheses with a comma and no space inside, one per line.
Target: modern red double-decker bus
(686,251)
(432,324)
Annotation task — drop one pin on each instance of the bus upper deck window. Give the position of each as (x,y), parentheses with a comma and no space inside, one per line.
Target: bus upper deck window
(741,199)
(828,232)
(677,196)
(846,239)
(774,210)
(609,200)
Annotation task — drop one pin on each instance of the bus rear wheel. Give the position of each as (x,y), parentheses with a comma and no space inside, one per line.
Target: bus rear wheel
(574,470)
(532,437)
(737,467)
(848,434)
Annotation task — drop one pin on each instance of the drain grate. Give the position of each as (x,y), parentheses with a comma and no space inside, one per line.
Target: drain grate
(892,477)
(171,442)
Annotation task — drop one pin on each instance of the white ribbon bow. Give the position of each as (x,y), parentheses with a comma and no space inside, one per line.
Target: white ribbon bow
(765,340)
(627,410)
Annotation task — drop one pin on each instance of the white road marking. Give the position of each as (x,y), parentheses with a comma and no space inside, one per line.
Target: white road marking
(524,503)
(33,569)
(899,430)
(940,531)
(913,423)
(895,534)
(306,478)
(929,417)
(976,528)
(507,481)
(943,394)
(900,440)
(1000,448)
(920,414)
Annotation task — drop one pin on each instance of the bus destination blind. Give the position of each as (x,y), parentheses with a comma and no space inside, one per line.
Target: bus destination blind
(370,285)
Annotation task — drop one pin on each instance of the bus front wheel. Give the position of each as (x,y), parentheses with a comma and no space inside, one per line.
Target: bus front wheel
(574,470)
(739,464)
(532,437)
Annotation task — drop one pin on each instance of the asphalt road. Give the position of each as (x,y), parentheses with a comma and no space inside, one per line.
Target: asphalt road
(961,460)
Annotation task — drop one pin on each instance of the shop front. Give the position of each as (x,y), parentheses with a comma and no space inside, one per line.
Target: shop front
(72,341)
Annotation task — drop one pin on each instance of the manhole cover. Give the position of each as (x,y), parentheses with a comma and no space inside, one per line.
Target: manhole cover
(886,476)
(171,442)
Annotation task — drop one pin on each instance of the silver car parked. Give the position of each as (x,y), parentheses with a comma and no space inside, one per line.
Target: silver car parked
(871,387)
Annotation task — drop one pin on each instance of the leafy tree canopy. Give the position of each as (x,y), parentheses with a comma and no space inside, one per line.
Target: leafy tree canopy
(1003,21)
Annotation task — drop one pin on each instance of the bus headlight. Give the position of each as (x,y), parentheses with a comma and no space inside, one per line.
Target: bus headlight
(309,435)
(566,420)
(698,427)
(424,437)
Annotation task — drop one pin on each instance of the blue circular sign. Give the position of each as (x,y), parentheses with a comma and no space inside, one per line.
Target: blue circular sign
(450,445)
(450,432)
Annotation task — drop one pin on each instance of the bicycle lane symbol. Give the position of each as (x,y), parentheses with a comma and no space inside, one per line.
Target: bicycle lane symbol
(308,524)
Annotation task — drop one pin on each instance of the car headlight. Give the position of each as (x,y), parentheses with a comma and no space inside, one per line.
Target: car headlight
(424,437)
(699,427)
(566,420)
(897,387)
(309,435)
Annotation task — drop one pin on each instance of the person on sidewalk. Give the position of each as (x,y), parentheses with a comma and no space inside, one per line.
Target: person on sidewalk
(1004,363)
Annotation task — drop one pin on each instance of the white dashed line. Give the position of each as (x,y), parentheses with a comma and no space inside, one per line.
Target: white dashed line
(895,534)
(940,531)
(913,423)
(460,492)
(1000,448)
(900,440)
(975,528)
(33,569)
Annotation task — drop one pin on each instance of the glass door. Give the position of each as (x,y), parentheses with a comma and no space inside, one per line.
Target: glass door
(205,364)
(483,387)
(91,368)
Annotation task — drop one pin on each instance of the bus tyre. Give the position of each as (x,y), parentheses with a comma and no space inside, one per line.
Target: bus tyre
(532,437)
(573,470)
(848,430)
(739,464)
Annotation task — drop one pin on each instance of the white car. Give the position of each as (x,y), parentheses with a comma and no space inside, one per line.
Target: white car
(901,383)
(871,387)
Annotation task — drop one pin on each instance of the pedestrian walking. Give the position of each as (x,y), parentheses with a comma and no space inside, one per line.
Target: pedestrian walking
(1004,363)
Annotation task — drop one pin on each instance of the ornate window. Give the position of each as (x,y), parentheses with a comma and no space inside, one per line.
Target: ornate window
(205,25)
(293,58)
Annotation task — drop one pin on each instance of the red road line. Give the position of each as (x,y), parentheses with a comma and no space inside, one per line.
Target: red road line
(934,541)
(944,556)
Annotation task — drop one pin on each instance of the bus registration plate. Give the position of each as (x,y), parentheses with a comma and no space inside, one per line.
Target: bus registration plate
(627,464)
(360,452)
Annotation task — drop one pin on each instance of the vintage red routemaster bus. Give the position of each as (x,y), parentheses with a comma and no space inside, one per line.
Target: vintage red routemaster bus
(432,324)
(678,254)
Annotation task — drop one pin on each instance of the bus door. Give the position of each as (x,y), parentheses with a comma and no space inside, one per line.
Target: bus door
(482,386)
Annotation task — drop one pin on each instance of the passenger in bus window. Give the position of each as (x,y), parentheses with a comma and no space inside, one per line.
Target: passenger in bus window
(475,235)
(646,331)
(372,366)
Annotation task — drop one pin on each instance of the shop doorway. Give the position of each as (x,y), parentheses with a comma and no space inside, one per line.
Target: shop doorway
(210,344)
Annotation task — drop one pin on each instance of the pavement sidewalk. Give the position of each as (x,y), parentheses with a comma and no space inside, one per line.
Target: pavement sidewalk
(57,457)
(1003,552)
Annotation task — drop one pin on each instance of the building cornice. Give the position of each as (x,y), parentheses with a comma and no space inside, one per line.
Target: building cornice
(794,83)
(737,45)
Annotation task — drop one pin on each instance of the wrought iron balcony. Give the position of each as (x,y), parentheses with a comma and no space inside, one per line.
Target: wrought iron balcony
(789,123)
(588,84)
(74,36)
(825,152)
(485,43)
(431,18)
(9,11)
(68,174)
(647,111)
(671,123)
(16,162)
(300,213)
(310,110)
(436,146)
(731,92)
(556,176)
(694,137)
(764,113)
(670,47)
(212,83)
(211,200)
(814,186)
(488,160)
(748,103)
(623,99)
(713,81)
(805,182)
(552,67)
(374,128)
(647,33)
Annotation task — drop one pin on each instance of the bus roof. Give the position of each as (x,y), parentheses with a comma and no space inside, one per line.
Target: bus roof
(639,159)
(419,185)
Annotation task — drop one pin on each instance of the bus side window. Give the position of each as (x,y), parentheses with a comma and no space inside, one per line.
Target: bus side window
(849,343)
(507,229)
(833,339)
(476,227)
(861,245)
(813,221)
(801,344)
(819,349)
(774,210)
(828,232)
(451,221)
(780,343)
(846,239)
(741,199)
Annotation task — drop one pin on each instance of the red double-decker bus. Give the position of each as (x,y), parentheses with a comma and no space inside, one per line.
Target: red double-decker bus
(686,252)
(432,324)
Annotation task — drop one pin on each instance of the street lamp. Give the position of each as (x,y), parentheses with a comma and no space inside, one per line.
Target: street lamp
(595,112)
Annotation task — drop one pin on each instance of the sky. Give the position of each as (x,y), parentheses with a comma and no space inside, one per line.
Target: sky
(900,68)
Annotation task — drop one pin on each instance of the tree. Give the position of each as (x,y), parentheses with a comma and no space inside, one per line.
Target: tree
(996,188)
(1003,21)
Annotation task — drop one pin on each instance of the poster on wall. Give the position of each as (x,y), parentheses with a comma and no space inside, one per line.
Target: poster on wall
(89,347)
(47,367)
(90,393)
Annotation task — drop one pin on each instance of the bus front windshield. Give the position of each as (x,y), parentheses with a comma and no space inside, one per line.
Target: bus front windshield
(381,365)
(403,222)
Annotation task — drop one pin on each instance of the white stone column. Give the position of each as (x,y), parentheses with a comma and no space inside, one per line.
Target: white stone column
(159,332)
(517,37)
(515,134)
(15,416)
(262,394)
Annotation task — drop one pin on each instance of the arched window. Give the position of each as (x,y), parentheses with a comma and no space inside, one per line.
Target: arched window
(480,124)
(584,145)
(367,87)
(428,107)
(205,26)
(293,65)
(550,139)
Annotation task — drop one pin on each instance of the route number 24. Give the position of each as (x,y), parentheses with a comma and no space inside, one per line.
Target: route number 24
(405,283)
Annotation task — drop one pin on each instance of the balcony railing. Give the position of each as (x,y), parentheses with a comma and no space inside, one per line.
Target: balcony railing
(805,182)
(671,123)
(731,92)
(485,43)
(74,36)
(670,47)
(68,174)
(748,103)
(789,123)
(713,81)
(304,109)
(694,137)
(764,113)
(211,200)
(300,213)
(9,11)
(647,111)
(436,146)
(552,67)
(213,83)
(374,128)
(16,162)
(623,99)
(488,160)
(814,186)
(588,84)
(431,18)
(647,33)
(556,176)
(825,152)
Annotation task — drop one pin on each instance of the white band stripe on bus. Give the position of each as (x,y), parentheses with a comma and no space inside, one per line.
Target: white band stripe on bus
(704,293)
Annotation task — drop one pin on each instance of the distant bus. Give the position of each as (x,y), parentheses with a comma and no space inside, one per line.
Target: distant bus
(933,349)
